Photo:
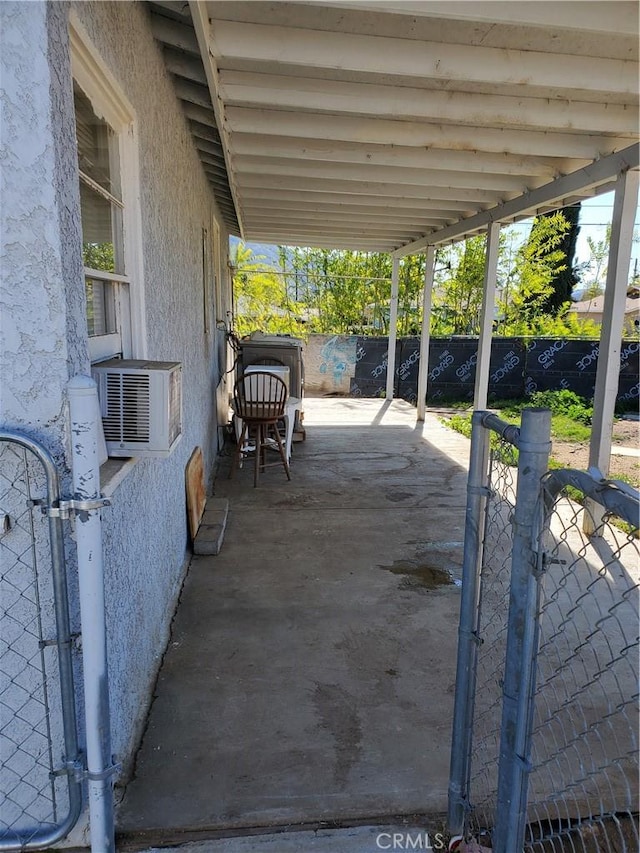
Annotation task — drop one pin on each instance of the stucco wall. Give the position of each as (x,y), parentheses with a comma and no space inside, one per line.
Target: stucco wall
(43,316)
(145,529)
(41,286)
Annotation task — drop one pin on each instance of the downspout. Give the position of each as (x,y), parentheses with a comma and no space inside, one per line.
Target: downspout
(84,413)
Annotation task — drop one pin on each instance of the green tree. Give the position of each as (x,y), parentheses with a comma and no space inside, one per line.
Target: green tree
(566,276)
(529,284)
(459,297)
(595,271)
(260,296)
(98,256)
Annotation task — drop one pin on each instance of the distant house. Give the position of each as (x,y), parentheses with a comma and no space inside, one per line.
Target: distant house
(593,309)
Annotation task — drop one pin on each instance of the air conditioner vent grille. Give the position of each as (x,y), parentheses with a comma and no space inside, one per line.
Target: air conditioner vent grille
(141,406)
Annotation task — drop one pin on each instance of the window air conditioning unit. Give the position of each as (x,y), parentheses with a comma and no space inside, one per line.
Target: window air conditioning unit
(141,406)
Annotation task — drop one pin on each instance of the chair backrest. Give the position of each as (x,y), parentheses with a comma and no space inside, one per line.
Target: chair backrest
(259,395)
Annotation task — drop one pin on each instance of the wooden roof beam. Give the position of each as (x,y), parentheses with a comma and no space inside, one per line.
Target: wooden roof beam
(303,93)
(600,172)
(400,156)
(377,205)
(387,174)
(620,19)
(469,138)
(356,188)
(451,63)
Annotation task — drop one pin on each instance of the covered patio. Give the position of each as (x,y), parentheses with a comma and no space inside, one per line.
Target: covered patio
(404,126)
(309,676)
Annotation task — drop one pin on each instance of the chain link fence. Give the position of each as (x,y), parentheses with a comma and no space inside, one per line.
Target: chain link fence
(39,792)
(545,749)
(483,628)
(492,633)
(583,784)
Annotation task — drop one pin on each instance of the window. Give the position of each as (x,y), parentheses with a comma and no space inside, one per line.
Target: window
(107,165)
(101,207)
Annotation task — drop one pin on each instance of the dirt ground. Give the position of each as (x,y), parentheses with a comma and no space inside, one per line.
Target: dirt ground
(625,434)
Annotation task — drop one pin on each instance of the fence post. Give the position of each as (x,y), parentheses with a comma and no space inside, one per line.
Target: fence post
(468,638)
(522,634)
(84,414)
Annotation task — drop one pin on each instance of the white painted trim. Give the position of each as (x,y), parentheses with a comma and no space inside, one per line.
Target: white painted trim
(95,79)
(99,189)
(217,271)
(486,323)
(425,331)
(393,328)
(103,275)
(102,347)
(133,251)
(110,103)
(204,37)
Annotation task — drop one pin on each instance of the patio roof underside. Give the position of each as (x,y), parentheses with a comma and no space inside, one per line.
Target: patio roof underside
(371,125)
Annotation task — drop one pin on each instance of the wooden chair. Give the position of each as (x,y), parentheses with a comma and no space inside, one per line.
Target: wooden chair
(259,400)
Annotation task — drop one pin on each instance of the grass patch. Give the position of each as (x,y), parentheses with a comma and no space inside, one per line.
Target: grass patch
(563,428)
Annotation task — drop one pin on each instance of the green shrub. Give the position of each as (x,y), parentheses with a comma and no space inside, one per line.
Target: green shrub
(564,402)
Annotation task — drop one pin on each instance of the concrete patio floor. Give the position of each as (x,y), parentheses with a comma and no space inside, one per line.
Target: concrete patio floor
(309,678)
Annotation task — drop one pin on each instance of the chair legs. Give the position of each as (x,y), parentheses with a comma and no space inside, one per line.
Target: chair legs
(283,455)
(261,439)
(238,451)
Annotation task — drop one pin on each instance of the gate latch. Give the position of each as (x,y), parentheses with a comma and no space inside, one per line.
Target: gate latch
(74,505)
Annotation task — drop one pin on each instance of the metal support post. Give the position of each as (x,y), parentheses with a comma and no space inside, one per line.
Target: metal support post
(423,366)
(86,484)
(486,321)
(522,634)
(606,390)
(468,630)
(393,328)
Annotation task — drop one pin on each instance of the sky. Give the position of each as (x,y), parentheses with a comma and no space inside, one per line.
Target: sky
(596,215)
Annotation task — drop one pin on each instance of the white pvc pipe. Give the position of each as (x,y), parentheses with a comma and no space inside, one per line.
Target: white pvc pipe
(393,327)
(85,437)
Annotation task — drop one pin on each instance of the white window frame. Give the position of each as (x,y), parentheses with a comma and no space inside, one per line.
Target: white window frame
(219,306)
(110,104)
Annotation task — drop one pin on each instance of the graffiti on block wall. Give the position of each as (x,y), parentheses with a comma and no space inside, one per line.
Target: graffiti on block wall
(337,356)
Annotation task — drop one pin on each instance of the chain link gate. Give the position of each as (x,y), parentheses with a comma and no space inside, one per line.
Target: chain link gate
(41,770)
(583,779)
(545,751)
(487,563)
